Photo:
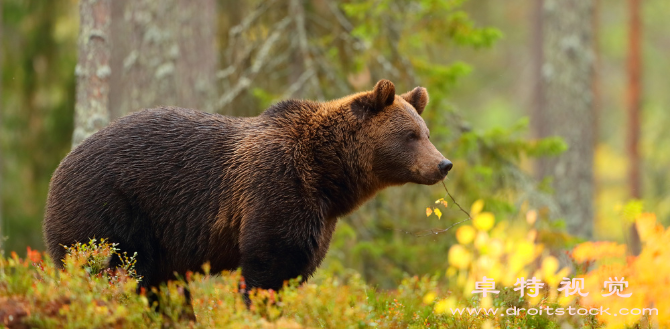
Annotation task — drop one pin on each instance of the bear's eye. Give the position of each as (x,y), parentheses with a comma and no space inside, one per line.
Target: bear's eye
(412,136)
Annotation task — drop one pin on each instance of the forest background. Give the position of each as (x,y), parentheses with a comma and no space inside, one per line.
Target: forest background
(501,92)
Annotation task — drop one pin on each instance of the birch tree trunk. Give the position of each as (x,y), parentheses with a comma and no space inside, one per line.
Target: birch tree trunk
(93,70)
(164,54)
(567,75)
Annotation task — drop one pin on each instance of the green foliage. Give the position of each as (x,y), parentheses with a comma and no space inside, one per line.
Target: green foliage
(265,99)
(441,77)
(632,210)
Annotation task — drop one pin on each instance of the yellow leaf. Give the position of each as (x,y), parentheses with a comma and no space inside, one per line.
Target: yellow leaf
(476,207)
(438,200)
(531,217)
(445,305)
(565,301)
(429,298)
(428,211)
(586,251)
(532,234)
(486,302)
(459,256)
(444,203)
(484,221)
(451,271)
(465,234)
(438,213)
(525,250)
(647,226)
(549,266)
(481,241)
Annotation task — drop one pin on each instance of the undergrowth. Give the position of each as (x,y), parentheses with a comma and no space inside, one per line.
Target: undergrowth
(86,293)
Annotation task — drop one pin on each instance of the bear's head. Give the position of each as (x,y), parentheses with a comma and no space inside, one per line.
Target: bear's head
(400,149)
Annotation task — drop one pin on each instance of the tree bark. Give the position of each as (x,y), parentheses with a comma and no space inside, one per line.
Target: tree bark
(634,104)
(93,70)
(2,238)
(537,59)
(164,54)
(597,92)
(567,75)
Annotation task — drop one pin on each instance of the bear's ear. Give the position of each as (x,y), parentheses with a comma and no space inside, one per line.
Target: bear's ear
(383,94)
(373,102)
(417,98)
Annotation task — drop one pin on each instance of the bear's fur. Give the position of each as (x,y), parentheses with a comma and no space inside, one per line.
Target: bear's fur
(182,187)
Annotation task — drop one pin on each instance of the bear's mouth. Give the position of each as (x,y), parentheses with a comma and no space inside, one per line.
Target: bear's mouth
(432,179)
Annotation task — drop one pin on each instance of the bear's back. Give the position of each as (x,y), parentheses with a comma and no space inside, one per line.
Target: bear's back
(152,182)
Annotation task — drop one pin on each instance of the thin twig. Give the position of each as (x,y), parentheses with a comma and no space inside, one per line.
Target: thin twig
(246,24)
(434,231)
(298,84)
(340,17)
(298,10)
(359,44)
(249,20)
(232,68)
(245,81)
(395,33)
(330,72)
(452,199)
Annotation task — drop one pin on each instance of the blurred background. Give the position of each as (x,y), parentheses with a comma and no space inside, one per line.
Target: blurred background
(558,105)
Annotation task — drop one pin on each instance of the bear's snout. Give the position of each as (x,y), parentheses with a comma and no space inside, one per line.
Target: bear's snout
(444,166)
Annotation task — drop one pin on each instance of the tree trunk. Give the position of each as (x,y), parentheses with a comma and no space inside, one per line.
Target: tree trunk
(93,70)
(634,104)
(567,75)
(164,54)
(1,112)
(597,94)
(537,59)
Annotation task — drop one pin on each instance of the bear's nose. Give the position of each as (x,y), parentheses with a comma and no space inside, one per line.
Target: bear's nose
(444,166)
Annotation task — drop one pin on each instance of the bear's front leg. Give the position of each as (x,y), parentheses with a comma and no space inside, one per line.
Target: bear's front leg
(268,259)
(269,266)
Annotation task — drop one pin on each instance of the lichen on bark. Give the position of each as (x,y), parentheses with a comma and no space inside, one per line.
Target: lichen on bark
(164,53)
(92,70)
(567,110)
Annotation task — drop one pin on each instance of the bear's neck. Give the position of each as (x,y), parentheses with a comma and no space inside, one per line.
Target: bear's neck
(342,189)
(340,161)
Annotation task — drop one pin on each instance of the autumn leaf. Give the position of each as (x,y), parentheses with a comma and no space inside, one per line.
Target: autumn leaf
(428,211)
(442,201)
(429,298)
(465,234)
(438,213)
(483,221)
(459,256)
(476,207)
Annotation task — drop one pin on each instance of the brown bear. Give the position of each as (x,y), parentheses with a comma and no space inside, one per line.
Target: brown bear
(182,187)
